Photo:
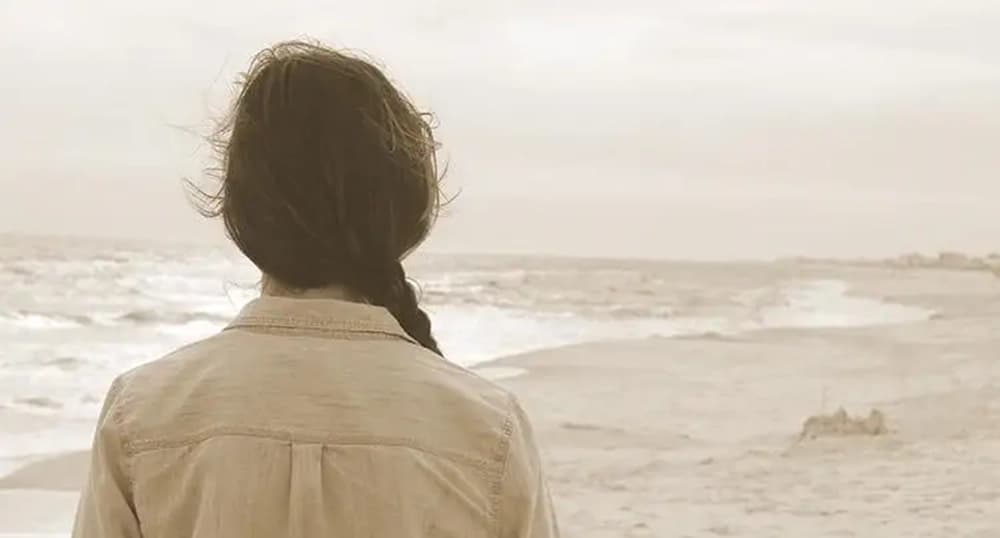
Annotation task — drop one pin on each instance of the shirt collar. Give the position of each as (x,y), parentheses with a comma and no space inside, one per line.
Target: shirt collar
(319,314)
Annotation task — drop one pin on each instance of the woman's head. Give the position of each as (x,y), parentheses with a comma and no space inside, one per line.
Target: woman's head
(329,177)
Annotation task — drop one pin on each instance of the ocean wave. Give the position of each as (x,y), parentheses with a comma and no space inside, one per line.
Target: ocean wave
(65,363)
(472,335)
(38,402)
(23,319)
(824,303)
(637,311)
(158,317)
(19,270)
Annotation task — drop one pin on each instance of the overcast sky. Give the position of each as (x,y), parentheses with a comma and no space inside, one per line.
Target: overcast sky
(686,129)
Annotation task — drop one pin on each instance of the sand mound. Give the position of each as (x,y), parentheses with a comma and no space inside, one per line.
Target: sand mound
(840,424)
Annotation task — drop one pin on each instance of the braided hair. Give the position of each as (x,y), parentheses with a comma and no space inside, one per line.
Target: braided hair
(328,176)
(392,290)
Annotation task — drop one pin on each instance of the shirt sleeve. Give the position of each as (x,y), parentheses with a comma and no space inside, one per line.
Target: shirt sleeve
(526,509)
(106,509)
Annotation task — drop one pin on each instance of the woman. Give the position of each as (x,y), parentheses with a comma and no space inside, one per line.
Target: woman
(325,408)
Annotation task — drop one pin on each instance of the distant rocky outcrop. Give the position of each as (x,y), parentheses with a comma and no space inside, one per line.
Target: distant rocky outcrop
(948,260)
(953,261)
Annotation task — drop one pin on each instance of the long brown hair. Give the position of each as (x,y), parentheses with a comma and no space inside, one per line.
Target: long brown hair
(328,177)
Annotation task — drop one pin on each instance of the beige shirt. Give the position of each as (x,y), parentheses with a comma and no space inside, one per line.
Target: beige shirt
(312,418)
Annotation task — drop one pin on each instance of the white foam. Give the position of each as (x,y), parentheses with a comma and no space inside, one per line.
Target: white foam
(37,321)
(193,330)
(471,335)
(35,535)
(36,388)
(826,303)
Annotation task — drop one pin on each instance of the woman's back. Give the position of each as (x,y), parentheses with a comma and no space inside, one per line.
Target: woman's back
(326,408)
(315,417)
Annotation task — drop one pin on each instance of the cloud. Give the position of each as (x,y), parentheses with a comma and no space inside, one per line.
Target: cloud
(645,97)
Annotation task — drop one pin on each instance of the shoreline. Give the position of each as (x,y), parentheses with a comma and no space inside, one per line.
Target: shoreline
(58,471)
(61,470)
(65,470)
(701,436)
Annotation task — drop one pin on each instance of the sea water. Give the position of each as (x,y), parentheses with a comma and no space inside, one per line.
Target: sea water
(75,313)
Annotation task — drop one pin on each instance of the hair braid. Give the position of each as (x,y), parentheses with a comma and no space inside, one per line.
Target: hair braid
(390,288)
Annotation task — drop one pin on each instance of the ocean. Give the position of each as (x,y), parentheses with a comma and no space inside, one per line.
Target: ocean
(74,313)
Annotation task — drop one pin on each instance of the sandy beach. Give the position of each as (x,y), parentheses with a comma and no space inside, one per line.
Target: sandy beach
(700,436)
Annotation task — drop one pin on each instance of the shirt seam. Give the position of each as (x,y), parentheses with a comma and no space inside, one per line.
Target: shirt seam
(329,327)
(316,322)
(338,331)
(142,446)
(501,457)
(120,400)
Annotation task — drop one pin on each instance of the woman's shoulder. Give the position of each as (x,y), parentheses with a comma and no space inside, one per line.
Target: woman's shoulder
(377,390)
